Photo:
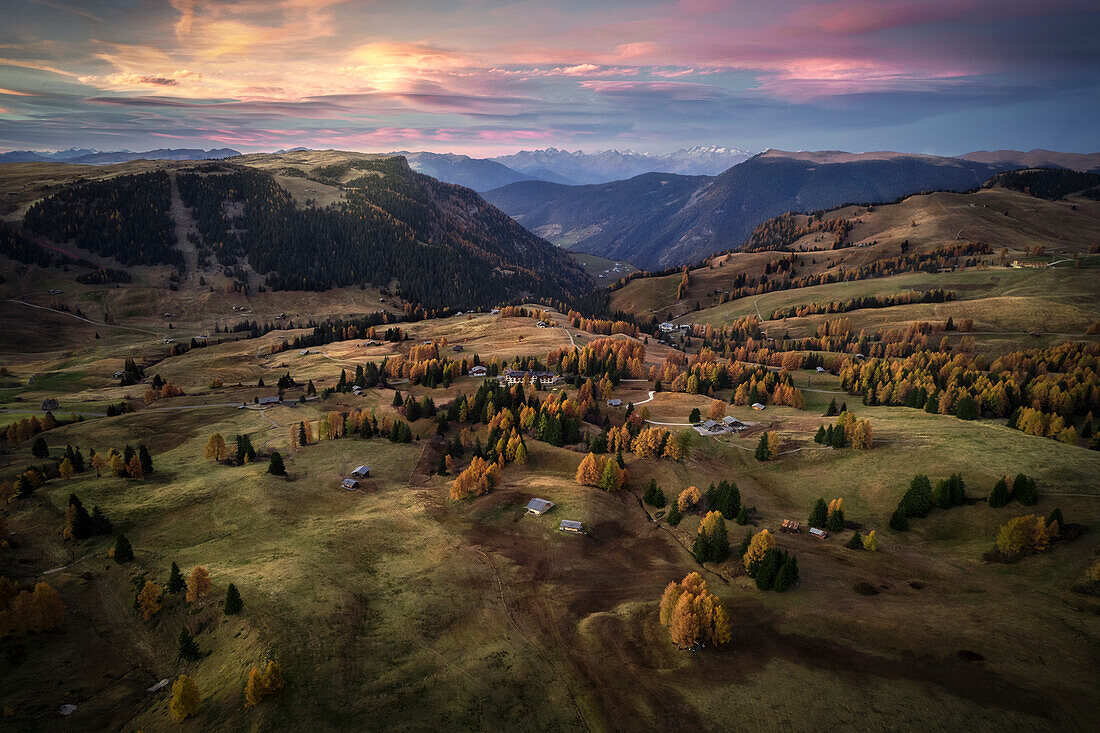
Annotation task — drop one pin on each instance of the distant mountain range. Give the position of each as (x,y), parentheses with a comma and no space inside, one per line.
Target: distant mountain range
(1083,162)
(659,220)
(562,166)
(569,168)
(99,157)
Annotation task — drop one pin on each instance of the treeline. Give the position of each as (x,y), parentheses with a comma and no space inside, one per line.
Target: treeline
(126,217)
(1057,384)
(1049,183)
(936,295)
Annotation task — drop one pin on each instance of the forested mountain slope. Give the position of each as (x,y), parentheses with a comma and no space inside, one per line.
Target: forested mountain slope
(436,244)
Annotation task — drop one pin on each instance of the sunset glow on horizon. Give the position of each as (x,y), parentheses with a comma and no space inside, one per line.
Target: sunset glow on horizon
(489,77)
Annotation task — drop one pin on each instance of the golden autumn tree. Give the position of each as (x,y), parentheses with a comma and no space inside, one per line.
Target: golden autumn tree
(588,472)
(273,677)
(66,469)
(694,615)
(761,542)
(688,499)
(254,689)
(185,698)
(148,600)
(35,611)
(215,447)
(134,469)
(198,583)
(717,410)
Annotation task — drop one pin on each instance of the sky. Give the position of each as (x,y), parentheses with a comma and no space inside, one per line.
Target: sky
(489,77)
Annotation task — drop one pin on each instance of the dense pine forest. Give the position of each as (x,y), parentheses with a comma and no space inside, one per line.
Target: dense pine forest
(127,218)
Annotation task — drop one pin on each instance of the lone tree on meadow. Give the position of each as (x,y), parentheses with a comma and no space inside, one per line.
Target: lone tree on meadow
(233,602)
(215,447)
(276,467)
(188,648)
(819,514)
(176,582)
(198,583)
(148,600)
(39,449)
(185,698)
(124,553)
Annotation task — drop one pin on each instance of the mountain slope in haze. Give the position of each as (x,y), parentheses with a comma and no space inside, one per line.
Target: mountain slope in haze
(477,173)
(1006,159)
(99,157)
(624,210)
(579,168)
(702,215)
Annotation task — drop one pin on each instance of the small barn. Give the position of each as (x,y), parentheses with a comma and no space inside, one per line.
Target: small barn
(821,370)
(818,533)
(568,525)
(615,403)
(273,400)
(538,507)
(350,484)
(361,472)
(758,405)
(478,371)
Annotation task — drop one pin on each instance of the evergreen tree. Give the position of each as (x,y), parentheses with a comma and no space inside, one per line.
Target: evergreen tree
(819,514)
(674,516)
(967,408)
(1024,490)
(303,438)
(957,489)
(917,500)
(695,417)
(188,648)
(39,448)
(856,543)
(655,496)
(999,496)
(146,460)
(767,569)
(820,437)
(786,576)
(834,521)
(397,401)
(124,553)
(175,580)
(100,523)
(742,516)
(898,521)
(275,467)
(233,602)
(941,495)
(831,412)
(763,451)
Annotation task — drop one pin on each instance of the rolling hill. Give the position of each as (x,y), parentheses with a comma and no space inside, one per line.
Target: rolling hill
(1083,162)
(655,221)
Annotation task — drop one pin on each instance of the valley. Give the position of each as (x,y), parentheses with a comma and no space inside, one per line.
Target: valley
(426,595)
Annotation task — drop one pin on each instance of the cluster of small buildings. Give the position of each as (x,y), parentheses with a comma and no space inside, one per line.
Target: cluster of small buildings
(538,507)
(517,376)
(352,483)
(728,424)
(669,327)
